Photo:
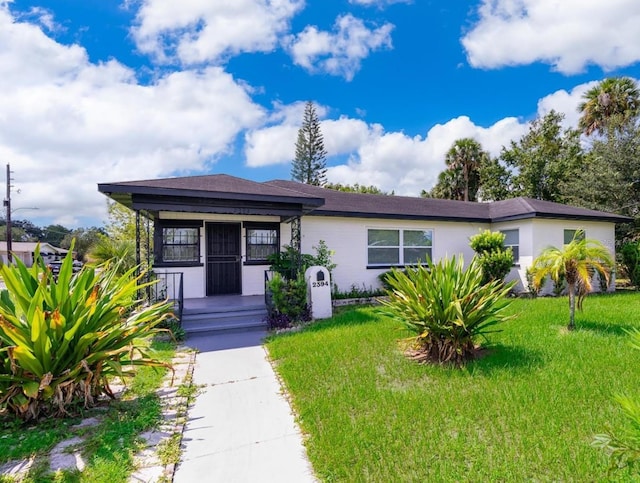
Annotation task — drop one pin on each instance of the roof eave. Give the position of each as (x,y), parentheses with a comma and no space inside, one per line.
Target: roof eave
(109,189)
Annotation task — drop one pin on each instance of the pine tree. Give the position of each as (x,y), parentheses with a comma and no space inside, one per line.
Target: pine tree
(309,165)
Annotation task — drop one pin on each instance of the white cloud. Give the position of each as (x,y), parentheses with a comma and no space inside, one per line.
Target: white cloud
(395,161)
(198,31)
(566,102)
(339,52)
(68,124)
(274,143)
(568,34)
(389,160)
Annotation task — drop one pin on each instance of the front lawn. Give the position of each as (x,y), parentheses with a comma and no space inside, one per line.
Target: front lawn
(527,411)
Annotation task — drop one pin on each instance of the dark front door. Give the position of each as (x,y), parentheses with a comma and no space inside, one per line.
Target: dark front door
(223,259)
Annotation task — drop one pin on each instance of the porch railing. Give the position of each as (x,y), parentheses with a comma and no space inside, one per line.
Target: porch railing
(268,296)
(170,287)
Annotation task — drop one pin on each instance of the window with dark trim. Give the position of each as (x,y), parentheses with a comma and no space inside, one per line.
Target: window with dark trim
(177,242)
(512,240)
(569,235)
(262,240)
(397,247)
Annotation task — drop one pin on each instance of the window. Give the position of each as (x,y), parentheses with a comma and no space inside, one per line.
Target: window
(569,235)
(180,245)
(263,239)
(177,242)
(398,247)
(512,239)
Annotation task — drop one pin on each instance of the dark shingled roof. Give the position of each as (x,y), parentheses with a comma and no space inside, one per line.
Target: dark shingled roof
(340,203)
(325,202)
(519,208)
(382,206)
(210,186)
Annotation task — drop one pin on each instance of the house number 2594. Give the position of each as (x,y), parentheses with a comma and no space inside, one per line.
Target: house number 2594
(320,284)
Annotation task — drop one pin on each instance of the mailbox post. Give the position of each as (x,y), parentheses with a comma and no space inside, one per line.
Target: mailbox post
(319,292)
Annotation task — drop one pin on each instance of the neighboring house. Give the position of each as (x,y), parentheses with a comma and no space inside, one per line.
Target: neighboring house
(25,252)
(218,230)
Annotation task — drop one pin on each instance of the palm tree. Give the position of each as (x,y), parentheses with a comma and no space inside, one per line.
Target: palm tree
(467,156)
(576,263)
(613,99)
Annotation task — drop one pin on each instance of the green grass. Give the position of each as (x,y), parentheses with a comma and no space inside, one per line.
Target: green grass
(108,447)
(527,411)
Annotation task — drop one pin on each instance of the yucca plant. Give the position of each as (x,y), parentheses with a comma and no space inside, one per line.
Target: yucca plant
(447,307)
(61,340)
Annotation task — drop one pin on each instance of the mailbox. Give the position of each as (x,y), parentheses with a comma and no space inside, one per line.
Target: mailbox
(319,292)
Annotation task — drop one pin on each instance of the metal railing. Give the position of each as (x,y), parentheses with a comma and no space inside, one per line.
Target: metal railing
(268,296)
(170,287)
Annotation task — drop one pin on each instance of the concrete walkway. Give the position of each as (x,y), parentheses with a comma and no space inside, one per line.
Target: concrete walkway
(240,428)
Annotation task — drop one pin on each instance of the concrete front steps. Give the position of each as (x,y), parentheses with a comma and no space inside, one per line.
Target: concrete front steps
(224,318)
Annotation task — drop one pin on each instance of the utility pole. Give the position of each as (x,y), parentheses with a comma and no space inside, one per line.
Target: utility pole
(7,204)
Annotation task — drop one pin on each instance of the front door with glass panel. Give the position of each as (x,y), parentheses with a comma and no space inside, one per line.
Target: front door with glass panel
(224,263)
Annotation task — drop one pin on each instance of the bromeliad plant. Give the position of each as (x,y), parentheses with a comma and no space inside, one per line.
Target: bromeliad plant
(447,307)
(61,340)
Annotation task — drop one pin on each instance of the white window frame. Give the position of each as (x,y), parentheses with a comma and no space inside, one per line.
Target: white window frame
(516,259)
(400,247)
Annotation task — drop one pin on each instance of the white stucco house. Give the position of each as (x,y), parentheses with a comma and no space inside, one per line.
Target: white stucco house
(25,251)
(217,230)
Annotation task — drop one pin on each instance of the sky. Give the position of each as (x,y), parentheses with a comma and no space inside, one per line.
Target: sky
(95,91)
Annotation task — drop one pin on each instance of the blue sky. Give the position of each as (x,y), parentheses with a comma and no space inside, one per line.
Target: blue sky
(95,91)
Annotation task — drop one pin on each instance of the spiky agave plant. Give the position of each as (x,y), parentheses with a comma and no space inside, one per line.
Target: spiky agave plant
(447,307)
(61,340)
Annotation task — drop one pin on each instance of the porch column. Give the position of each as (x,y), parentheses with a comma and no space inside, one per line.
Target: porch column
(138,240)
(296,240)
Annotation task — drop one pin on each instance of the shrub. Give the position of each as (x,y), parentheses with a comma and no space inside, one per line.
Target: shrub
(495,259)
(446,307)
(60,340)
(630,258)
(290,262)
(624,449)
(357,292)
(289,301)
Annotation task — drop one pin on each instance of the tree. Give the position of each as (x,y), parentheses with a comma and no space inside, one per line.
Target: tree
(610,178)
(356,188)
(577,263)
(54,234)
(17,234)
(309,165)
(614,98)
(448,187)
(85,239)
(466,157)
(544,160)
(122,222)
(495,181)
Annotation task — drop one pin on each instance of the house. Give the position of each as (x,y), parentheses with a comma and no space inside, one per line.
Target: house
(218,230)
(25,252)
